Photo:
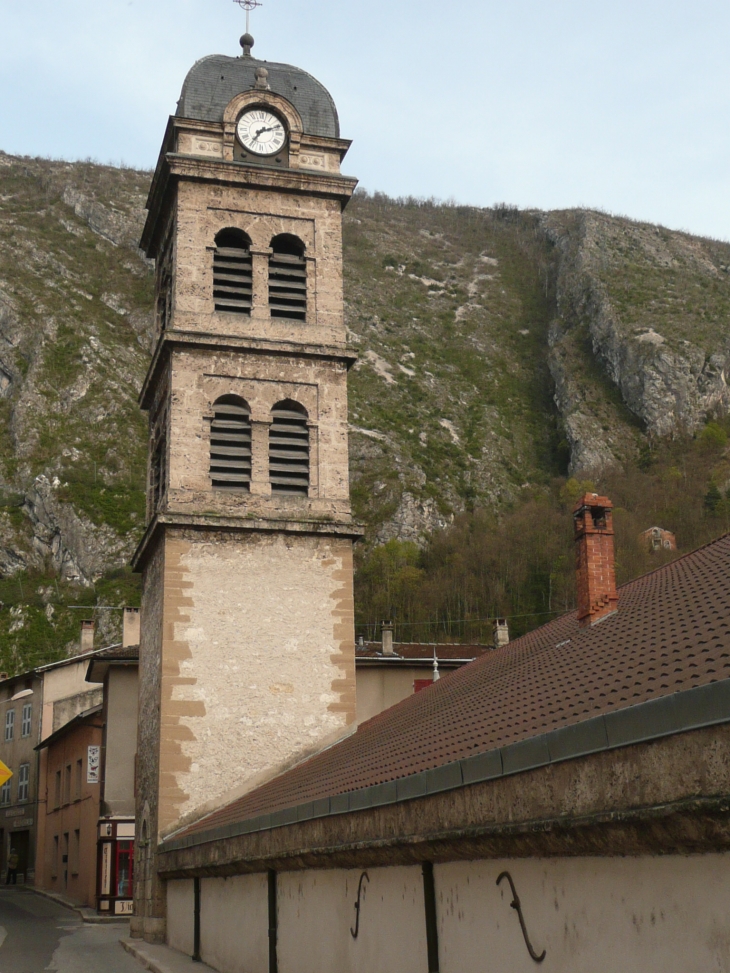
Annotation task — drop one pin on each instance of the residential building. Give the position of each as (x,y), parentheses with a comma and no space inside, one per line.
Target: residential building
(20,719)
(65,694)
(33,705)
(66,861)
(659,539)
(387,671)
(116,668)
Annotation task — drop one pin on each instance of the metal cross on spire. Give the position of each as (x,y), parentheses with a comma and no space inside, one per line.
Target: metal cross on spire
(248,6)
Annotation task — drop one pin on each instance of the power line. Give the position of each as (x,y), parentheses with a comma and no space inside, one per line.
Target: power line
(461,621)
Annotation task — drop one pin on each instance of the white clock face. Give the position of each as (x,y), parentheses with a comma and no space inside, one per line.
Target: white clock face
(261,132)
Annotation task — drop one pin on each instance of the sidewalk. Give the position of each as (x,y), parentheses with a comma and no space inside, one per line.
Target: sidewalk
(162,959)
(88,915)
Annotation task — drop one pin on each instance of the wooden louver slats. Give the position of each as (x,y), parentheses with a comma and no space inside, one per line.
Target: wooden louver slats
(232,279)
(289,452)
(287,286)
(230,446)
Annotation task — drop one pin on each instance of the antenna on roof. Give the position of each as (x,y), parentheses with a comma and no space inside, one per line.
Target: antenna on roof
(248,6)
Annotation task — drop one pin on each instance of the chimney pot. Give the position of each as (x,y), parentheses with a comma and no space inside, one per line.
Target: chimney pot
(130,627)
(594,558)
(501,632)
(387,635)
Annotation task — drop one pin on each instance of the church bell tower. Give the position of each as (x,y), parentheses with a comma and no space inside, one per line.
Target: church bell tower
(247,659)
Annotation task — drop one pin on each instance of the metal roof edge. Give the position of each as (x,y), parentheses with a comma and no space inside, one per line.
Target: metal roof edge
(692,709)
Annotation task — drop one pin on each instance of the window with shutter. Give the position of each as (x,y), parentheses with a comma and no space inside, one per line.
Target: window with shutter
(230,444)
(288,278)
(232,272)
(289,449)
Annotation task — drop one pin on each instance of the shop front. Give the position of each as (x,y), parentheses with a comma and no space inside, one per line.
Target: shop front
(116,867)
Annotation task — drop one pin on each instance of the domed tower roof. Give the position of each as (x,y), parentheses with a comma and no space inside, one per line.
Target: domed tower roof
(214,81)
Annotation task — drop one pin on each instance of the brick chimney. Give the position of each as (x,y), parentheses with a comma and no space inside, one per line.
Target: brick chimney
(387,635)
(87,637)
(130,627)
(594,559)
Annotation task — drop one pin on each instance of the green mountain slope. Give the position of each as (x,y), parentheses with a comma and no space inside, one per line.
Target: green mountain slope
(499,351)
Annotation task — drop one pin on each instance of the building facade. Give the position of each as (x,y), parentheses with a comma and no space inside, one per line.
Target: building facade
(20,718)
(247,660)
(116,668)
(388,671)
(67,861)
(659,539)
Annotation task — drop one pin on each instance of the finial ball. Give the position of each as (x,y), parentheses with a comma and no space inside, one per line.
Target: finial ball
(247,43)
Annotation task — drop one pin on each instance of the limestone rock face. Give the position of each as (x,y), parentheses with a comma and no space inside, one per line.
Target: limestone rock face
(643,312)
(497,349)
(75,330)
(78,550)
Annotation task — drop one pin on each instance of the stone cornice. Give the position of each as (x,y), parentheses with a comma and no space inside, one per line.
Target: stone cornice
(173,166)
(243,525)
(218,342)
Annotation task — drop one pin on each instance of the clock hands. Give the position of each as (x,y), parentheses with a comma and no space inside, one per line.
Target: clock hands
(271,128)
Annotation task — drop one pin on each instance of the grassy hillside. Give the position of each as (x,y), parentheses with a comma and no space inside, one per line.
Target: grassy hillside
(501,353)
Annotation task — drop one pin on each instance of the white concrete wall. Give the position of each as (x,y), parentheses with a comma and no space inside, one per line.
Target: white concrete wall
(591,915)
(62,683)
(380,688)
(234,923)
(316,912)
(121,739)
(180,915)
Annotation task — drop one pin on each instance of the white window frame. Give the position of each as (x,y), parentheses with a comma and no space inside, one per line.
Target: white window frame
(27,720)
(10,725)
(23,782)
(5,793)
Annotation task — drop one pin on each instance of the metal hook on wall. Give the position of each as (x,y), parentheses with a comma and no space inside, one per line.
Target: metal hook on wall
(356,930)
(517,905)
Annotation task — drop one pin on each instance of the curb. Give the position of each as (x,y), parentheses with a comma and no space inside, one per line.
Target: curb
(170,961)
(88,915)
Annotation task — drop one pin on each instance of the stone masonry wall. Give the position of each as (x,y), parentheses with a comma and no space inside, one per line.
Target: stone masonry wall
(258,661)
(149,895)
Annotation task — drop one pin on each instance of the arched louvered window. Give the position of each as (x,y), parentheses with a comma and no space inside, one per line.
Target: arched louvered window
(288,278)
(232,275)
(230,444)
(289,449)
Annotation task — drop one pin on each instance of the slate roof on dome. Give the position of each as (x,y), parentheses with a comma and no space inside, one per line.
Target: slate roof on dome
(214,81)
(671,633)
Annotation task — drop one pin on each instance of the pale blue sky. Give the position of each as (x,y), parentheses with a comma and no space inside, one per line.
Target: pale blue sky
(546,103)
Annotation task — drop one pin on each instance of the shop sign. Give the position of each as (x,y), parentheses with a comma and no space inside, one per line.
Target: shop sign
(92,765)
(106,868)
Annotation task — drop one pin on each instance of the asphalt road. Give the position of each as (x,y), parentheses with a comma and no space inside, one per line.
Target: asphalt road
(37,936)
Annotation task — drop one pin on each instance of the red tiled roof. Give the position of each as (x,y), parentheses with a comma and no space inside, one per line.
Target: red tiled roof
(670,633)
(445,652)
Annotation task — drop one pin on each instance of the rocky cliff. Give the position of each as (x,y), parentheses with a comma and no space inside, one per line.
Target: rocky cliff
(498,350)
(642,327)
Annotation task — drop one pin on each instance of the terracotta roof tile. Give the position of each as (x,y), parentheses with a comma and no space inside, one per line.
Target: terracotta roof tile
(670,633)
(445,652)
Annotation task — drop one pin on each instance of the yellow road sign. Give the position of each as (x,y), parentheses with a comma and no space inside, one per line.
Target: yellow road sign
(5,773)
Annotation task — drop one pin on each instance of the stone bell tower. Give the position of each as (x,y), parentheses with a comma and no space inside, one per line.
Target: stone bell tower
(247,645)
